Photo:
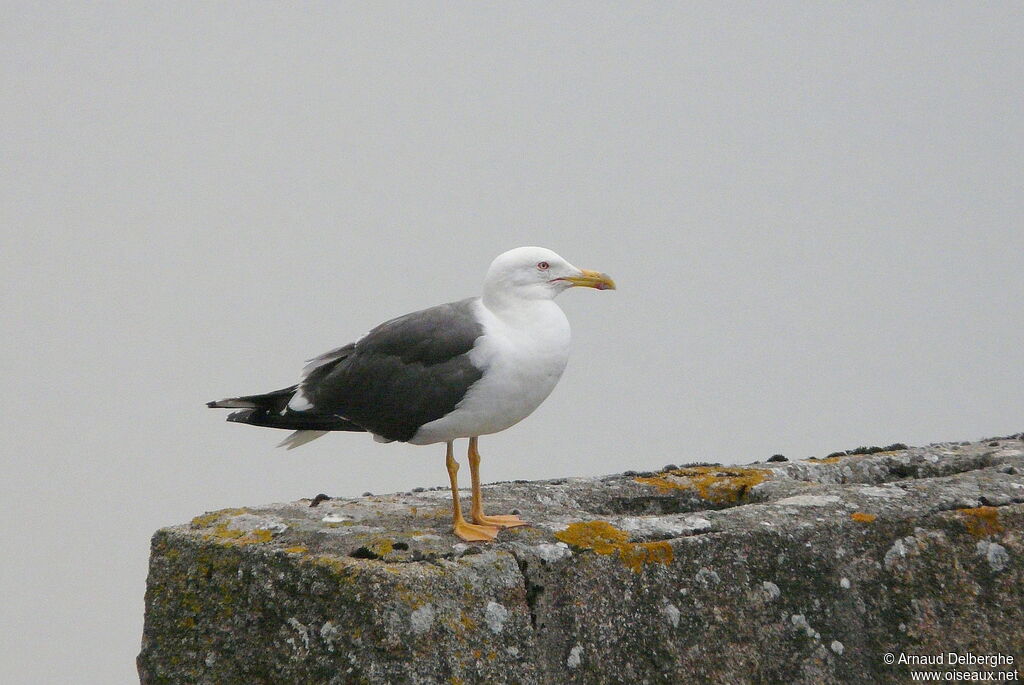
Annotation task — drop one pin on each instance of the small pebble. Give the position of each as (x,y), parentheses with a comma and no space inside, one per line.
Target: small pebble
(669,467)
(367,494)
(418,489)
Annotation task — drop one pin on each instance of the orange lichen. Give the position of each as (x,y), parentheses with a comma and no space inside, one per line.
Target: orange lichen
(863,517)
(600,536)
(824,460)
(635,555)
(981,522)
(604,538)
(297,549)
(719,484)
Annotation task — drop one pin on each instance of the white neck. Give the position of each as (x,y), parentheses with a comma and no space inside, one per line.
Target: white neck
(519,311)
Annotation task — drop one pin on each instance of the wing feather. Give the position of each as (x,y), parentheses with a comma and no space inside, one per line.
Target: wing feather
(402,374)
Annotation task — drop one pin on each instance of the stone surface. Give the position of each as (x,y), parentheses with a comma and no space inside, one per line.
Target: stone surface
(801,571)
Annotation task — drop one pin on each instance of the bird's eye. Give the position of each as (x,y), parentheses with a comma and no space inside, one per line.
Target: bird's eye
(543,266)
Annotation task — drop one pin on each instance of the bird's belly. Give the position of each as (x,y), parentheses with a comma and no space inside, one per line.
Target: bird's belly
(513,386)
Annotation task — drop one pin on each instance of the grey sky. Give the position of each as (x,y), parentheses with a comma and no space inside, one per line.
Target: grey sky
(812,210)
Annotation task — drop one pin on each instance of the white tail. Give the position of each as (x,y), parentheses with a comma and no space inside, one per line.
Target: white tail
(300,438)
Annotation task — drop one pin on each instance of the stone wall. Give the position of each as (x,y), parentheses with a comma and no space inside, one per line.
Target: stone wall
(806,572)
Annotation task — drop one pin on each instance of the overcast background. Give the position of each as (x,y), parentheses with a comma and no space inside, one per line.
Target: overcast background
(812,210)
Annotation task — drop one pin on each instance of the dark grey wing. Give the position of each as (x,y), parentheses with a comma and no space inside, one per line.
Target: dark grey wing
(404,373)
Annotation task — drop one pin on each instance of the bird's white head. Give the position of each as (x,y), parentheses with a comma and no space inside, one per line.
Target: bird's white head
(536,273)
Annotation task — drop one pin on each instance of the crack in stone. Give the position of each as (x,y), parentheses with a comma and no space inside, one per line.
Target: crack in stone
(533,590)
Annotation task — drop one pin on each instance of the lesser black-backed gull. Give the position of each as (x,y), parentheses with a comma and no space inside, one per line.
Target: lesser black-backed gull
(457,370)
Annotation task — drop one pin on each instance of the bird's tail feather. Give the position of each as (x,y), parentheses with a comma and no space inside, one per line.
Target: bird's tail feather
(300,438)
(231,403)
(271,401)
(271,410)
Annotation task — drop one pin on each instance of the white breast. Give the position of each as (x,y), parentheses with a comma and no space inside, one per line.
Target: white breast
(522,357)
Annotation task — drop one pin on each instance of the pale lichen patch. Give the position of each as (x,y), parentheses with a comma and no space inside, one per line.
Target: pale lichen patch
(422,619)
(495,616)
(552,553)
(994,553)
(336,517)
(799,622)
(671,612)
(810,500)
(888,491)
(575,657)
(899,550)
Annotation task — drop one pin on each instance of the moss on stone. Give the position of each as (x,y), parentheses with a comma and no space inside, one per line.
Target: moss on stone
(223,534)
(381,546)
(212,517)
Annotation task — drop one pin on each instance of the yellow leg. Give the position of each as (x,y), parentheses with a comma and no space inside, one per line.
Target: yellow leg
(465,530)
(477,512)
